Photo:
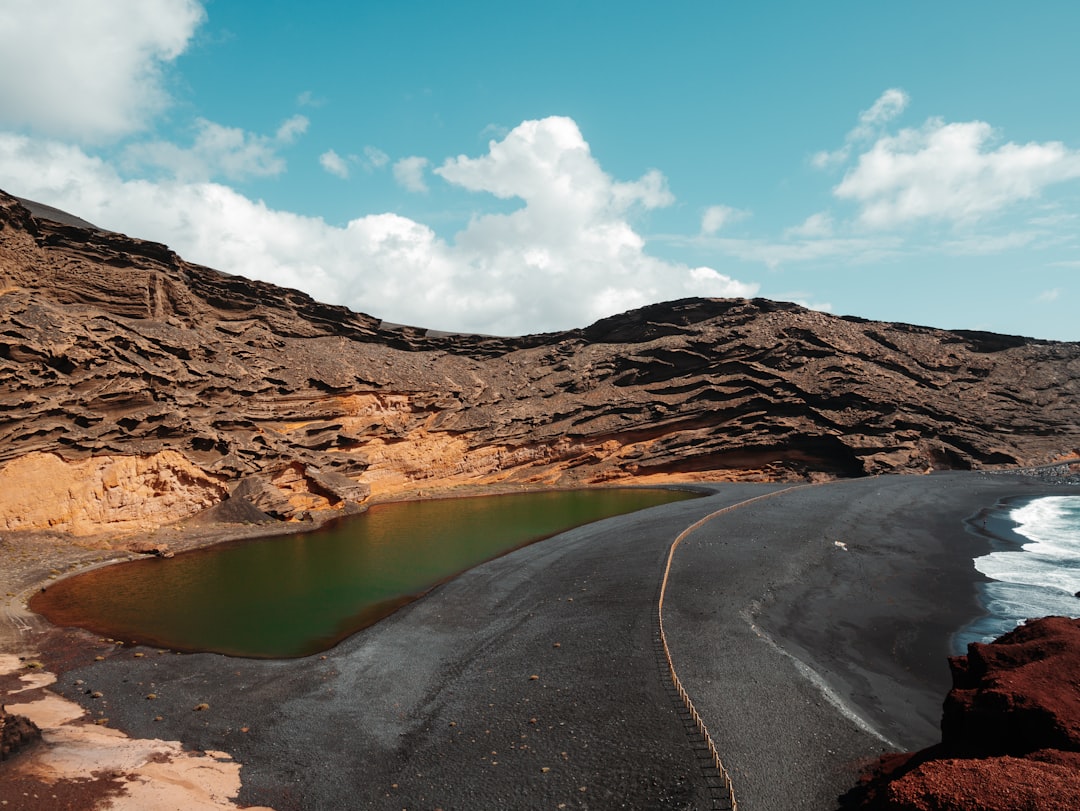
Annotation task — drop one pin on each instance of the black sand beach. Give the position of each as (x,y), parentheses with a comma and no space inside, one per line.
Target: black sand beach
(804,657)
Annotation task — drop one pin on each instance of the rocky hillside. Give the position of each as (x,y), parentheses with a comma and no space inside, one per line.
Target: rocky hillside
(137,388)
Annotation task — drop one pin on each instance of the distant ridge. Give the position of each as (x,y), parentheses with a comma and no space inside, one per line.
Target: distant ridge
(215,387)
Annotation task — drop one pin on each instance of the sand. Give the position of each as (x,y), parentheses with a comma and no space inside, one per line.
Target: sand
(810,628)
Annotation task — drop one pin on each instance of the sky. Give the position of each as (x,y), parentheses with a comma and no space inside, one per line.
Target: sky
(509,168)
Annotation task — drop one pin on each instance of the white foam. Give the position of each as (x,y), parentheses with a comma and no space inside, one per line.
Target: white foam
(1043,576)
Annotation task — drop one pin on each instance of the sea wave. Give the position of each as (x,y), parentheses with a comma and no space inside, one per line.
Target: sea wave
(1041,577)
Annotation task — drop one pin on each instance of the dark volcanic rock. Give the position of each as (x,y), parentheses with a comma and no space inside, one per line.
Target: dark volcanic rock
(115,347)
(1010,732)
(16,732)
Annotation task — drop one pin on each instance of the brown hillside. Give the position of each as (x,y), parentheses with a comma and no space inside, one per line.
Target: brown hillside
(137,388)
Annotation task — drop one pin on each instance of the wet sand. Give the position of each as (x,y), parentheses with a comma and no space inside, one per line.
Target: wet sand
(804,657)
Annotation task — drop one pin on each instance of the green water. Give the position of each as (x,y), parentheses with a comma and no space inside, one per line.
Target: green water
(296,595)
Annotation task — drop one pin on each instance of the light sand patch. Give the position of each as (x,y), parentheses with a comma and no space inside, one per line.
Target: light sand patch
(10,663)
(160,775)
(50,713)
(33,680)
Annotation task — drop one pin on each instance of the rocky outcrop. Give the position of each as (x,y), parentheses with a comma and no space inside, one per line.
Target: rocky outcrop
(1017,695)
(115,493)
(114,347)
(16,732)
(1010,732)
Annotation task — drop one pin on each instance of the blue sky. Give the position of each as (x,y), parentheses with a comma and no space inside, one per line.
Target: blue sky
(513,168)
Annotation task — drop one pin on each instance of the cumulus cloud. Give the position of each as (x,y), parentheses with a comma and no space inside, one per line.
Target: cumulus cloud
(409,173)
(951,172)
(332,162)
(219,151)
(566,257)
(89,71)
(716,217)
(570,247)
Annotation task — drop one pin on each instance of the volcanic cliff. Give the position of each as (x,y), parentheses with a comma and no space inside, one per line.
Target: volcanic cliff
(137,389)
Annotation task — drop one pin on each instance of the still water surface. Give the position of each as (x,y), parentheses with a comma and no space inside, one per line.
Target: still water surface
(299,594)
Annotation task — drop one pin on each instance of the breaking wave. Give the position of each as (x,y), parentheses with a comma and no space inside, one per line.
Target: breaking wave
(1041,577)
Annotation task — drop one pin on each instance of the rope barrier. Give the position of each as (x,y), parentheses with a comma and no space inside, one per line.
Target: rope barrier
(703,730)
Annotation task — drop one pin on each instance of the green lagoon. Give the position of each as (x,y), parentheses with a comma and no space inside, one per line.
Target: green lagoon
(296,595)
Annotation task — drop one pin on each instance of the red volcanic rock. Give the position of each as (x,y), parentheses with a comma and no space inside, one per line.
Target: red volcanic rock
(1010,732)
(992,784)
(1019,694)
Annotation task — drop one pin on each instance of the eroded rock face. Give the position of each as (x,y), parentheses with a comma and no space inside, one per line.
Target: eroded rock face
(117,493)
(115,347)
(1010,732)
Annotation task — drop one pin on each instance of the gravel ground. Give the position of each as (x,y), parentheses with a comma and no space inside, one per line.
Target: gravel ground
(535,680)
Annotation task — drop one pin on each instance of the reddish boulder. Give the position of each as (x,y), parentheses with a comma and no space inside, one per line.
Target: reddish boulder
(1017,694)
(1010,732)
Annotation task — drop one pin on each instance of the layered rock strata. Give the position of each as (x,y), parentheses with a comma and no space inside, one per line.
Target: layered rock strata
(137,388)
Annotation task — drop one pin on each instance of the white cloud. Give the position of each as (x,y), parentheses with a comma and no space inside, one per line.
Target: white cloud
(309,99)
(494,130)
(716,217)
(651,191)
(1049,295)
(341,165)
(804,299)
(986,244)
(816,226)
(871,122)
(376,158)
(332,162)
(409,173)
(565,258)
(291,129)
(219,151)
(89,71)
(1054,218)
(569,247)
(775,254)
(950,172)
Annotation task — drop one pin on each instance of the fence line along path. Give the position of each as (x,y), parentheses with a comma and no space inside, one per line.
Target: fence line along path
(688,702)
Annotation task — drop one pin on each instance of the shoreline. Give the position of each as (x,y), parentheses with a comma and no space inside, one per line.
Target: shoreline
(998,529)
(851,615)
(437,687)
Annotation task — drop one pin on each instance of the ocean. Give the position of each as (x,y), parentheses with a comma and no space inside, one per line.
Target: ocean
(1034,568)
